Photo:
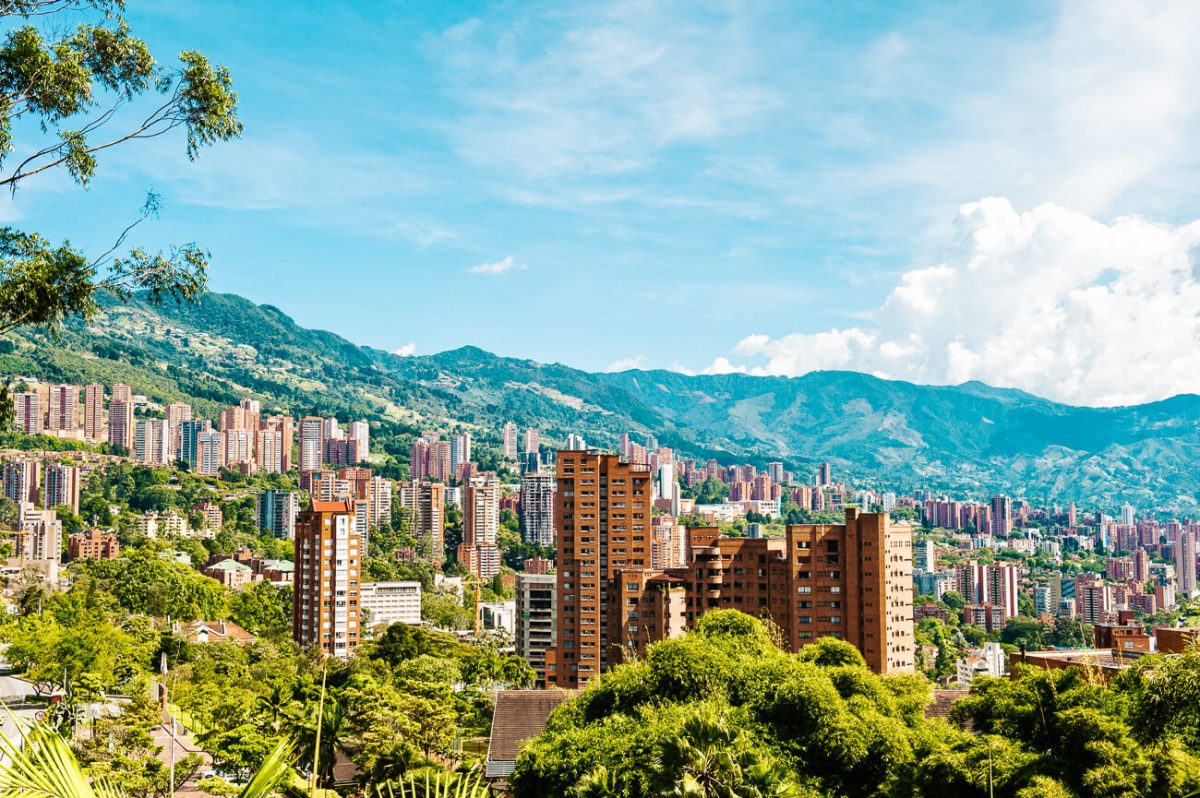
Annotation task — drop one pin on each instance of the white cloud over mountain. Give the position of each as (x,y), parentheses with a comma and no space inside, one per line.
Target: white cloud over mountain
(1049,301)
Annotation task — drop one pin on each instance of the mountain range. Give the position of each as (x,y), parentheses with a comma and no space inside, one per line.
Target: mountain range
(968,440)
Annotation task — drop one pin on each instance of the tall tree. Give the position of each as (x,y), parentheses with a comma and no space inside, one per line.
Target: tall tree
(74,83)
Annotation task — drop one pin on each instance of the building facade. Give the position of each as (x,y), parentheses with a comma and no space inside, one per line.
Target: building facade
(325,611)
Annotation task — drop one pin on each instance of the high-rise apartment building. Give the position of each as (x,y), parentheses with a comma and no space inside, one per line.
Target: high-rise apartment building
(1001,516)
(61,486)
(994,585)
(603,505)
(152,442)
(93,412)
(1185,560)
(210,450)
(312,443)
(481,527)
(537,508)
(536,620)
(121,431)
(460,452)
(39,542)
(22,479)
(64,408)
(824,474)
(29,412)
(276,512)
(510,441)
(325,603)
(190,431)
(851,580)
(426,503)
(533,441)
(575,443)
(177,413)
(360,433)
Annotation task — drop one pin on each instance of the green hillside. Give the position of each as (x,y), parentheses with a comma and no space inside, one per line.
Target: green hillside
(968,439)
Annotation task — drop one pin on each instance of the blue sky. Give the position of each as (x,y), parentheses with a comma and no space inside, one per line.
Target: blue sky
(768,187)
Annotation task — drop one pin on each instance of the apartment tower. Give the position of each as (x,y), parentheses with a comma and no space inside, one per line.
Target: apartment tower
(603,508)
(325,602)
(93,412)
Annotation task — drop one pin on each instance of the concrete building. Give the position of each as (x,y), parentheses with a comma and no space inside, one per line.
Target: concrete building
(536,620)
(152,443)
(29,413)
(64,409)
(537,508)
(312,443)
(325,612)
(276,511)
(39,540)
(987,661)
(386,603)
(510,441)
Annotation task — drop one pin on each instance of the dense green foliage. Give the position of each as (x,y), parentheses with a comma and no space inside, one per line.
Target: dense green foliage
(726,708)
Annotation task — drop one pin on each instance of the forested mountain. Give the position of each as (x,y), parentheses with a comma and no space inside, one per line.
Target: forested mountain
(969,438)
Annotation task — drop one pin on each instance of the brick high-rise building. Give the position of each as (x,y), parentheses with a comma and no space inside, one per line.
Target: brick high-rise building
(1001,522)
(851,580)
(481,527)
(426,503)
(93,411)
(121,431)
(603,508)
(62,486)
(30,413)
(21,480)
(325,603)
(64,408)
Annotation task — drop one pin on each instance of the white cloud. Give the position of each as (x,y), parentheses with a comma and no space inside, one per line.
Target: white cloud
(1049,301)
(626,364)
(599,88)
(408,350)
(499,267)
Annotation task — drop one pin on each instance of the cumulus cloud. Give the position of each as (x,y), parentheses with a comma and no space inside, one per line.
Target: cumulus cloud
(625,364)
(497,268)
(1049,301)
(408,350)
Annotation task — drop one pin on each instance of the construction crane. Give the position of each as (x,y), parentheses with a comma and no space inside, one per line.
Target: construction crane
(475,582)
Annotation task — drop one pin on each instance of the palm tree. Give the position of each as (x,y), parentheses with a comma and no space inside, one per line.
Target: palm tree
(46,767)
(709,758)
(431,783)
(274,704)
(325,727)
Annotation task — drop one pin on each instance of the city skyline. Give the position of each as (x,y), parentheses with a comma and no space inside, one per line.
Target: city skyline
(880,188)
